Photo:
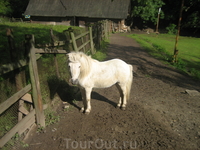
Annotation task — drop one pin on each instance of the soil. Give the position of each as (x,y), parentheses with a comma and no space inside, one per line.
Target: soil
(160,114)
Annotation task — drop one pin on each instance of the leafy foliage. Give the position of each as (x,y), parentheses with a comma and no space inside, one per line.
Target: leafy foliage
(5,8)
(171,29)
(190,16)
(147,10)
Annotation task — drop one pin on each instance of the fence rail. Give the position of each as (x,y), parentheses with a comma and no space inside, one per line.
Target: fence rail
(27,117)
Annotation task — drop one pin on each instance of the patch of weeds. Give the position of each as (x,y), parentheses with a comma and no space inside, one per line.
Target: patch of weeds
(194,72)
(147,75)
(51,117)
(24,145)
(99,56)
(75,101)
(180,64)
(68,108)
(40,129)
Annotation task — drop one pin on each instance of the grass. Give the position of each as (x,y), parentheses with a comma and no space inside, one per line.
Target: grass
(162,47)
(41,33)
(101,53)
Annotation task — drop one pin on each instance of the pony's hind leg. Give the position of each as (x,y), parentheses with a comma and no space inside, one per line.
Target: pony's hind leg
(122,100)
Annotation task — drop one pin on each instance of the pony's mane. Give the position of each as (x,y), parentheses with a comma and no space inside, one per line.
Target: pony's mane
(84,60)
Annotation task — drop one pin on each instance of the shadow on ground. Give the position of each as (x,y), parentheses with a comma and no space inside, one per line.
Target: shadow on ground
(66,92)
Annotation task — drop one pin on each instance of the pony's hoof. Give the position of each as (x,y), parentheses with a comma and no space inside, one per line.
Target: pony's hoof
(81,110)
(123,108)
(87,113)
(118,106)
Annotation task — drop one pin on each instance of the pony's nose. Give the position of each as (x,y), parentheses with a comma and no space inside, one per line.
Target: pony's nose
(74,82)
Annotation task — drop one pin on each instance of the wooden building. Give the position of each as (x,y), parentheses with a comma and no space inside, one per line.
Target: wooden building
(77,12)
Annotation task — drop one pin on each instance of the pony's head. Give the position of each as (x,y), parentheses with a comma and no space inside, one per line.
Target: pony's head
(78,66)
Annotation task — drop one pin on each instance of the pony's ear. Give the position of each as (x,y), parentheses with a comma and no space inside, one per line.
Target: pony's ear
(68,56)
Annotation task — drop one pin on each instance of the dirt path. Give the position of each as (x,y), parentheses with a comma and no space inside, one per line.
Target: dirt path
(159,116)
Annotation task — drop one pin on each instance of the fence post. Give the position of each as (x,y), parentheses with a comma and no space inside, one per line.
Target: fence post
(11,43)
(98,35)
(36,93)
(106,29)
(82,41)
(53,40)
(73,40)
(91,40)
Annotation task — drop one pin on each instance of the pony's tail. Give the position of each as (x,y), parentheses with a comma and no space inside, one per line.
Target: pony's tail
(129,84)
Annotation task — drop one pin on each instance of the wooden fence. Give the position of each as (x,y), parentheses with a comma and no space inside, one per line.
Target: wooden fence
(36,113)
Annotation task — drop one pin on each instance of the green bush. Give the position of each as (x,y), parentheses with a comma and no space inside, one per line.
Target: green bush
(171,29)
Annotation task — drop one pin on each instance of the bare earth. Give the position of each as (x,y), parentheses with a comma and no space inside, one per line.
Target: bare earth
(159,114)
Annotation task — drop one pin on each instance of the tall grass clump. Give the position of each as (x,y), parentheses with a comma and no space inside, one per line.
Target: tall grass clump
(101,53)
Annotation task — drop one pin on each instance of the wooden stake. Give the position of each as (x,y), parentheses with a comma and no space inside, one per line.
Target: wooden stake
(178,33)
(36,93)
(158,21)
(73,41)
(54,39)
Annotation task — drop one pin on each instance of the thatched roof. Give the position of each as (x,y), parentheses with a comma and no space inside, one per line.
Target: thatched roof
(114,9)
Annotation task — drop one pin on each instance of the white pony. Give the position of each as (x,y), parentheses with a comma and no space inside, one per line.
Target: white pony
(89,73)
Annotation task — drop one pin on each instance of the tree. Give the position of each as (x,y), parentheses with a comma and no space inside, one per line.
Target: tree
(147,10)
(18,7)
(190,16)
(191,13)
(5,8)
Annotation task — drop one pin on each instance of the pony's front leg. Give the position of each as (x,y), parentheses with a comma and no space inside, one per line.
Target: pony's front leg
(83,95)
(88,97)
